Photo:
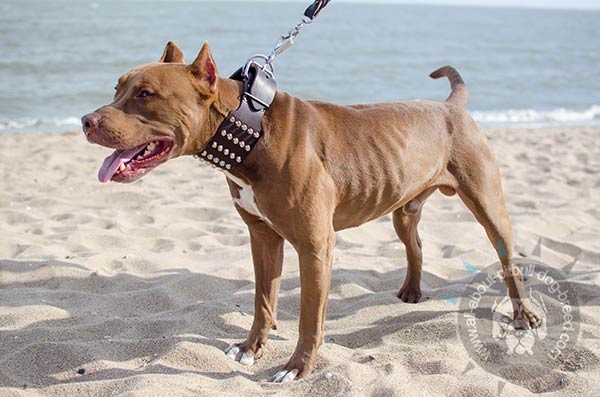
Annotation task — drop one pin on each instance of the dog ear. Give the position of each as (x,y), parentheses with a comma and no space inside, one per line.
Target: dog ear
(205,69)
(172,54)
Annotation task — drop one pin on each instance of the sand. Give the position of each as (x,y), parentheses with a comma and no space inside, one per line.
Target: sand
(142,286)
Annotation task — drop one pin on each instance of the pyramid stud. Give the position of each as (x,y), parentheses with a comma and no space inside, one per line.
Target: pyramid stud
(232,119)
(223,132)
(248,148)
(220,148)
(244,127)
(232,156)
(242,144)
(204,153)
(238,159)
(222,163)
(226,152)
(214,145)
(216,160)
(250,130)
(210,156)
(256,135)
(229,136)
(228,166)
(235,140)
(238,123)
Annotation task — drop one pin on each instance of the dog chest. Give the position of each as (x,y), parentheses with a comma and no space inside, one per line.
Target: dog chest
(246,199)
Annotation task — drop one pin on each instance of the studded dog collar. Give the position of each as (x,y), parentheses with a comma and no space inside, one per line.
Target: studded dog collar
(241,130)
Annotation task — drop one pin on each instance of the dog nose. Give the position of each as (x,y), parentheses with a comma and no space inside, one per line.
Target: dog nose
(90,121)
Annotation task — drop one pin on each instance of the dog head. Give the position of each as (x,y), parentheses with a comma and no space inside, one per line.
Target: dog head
(160,111)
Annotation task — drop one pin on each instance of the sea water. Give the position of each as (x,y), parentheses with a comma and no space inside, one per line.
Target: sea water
(61,59)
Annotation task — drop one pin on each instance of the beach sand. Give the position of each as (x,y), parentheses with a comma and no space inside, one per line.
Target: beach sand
(142,286)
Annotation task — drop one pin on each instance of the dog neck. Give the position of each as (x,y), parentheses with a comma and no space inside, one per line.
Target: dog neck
(233,131)
(228,99)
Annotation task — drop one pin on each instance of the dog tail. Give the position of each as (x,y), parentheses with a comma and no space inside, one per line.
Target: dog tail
(459,94)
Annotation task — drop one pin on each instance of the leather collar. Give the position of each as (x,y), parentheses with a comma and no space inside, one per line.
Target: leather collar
(241,130)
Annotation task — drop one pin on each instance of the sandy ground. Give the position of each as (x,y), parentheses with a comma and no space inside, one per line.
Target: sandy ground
(142,286)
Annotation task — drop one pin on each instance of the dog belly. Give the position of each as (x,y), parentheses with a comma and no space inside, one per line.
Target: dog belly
(369,198)
(347,217)
(367,207)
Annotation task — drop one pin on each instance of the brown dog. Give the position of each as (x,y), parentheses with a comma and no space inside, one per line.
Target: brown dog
(319,168)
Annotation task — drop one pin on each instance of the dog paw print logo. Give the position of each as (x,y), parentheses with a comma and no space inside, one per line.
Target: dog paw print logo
(491,326)
(518,341)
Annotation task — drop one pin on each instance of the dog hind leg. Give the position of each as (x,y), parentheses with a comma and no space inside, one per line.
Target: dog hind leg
(406,220)
(480,188)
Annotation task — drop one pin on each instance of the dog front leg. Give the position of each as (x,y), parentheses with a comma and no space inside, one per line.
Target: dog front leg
(267,255)
(315,279)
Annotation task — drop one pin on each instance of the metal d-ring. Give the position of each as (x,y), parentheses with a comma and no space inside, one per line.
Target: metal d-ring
(252,61)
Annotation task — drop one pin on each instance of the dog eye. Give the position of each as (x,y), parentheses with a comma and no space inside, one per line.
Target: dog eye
(144,94)
(116,87)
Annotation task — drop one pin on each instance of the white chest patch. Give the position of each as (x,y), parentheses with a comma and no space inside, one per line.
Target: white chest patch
(246,200)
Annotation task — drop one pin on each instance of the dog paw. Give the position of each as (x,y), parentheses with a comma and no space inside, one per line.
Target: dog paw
(300,365)
(237,353)
(409,295)
(526,318)
(285,375)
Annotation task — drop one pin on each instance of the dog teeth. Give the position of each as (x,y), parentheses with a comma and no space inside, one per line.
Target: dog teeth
(122,167)
(151,146)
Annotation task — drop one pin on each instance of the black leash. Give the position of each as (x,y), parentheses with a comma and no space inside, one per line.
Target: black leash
(242,128)
(314,9)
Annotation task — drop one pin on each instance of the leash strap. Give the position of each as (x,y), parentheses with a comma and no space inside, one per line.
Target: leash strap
(315,8)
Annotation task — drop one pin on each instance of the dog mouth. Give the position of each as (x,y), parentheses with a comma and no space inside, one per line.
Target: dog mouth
(131,164)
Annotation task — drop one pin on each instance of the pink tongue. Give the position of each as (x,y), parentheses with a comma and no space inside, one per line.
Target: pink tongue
(113,162)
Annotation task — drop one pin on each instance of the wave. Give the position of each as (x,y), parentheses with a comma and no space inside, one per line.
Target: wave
(514,117)
(539,117)
(48,124)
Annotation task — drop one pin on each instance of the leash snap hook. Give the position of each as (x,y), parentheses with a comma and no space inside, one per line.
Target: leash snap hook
(283,44)
(287,41)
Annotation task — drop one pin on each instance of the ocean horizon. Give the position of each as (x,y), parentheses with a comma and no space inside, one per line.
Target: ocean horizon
(523,66)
